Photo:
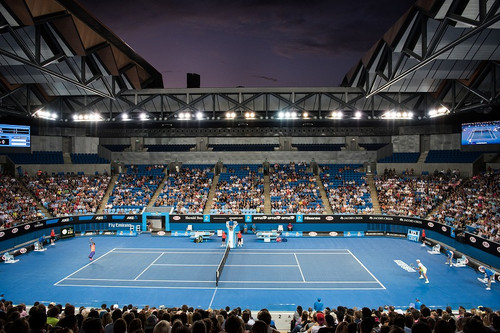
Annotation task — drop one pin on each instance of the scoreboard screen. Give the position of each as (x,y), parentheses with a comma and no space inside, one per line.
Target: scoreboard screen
(14,136)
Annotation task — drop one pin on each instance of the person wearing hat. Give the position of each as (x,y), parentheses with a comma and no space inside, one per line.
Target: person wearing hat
(318,305)
(422,271)
(319,317)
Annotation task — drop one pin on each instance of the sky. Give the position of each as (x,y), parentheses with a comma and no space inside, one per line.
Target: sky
(250,43)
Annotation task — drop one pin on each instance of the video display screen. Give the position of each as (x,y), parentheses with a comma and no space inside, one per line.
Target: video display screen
(482,133)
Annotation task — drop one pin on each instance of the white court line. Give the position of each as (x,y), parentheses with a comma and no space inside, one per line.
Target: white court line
(273,253)
(366,269)
(211,281)
(234,251)
(145,269)
(55,284)
(187,265)
(208,265)
(209,288)
(212,300)
(168,252)
(148,280)
(300,269)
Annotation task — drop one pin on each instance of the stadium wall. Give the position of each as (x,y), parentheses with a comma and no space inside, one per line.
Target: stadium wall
(466,169)
(406,143)
(46,143)
(88,169)
(251,157)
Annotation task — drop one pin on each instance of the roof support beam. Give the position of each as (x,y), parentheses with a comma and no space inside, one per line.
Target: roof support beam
(435,55)
(55,74)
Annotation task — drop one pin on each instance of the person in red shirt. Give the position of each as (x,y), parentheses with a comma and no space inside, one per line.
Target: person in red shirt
(240,239)
(223,238)
(52,237)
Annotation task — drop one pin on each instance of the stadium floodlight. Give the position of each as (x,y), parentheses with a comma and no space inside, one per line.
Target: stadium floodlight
(250,115)
(358,115)
(287,115)
(42,114)
(125,117)
(442,111)
(199,115)
(305,115)
(87,117)
(230,115)
(397,115)
(184,116)
(336,115)
(143,116)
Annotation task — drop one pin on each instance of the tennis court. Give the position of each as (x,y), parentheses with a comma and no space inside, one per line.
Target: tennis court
(172,271)
(256,269)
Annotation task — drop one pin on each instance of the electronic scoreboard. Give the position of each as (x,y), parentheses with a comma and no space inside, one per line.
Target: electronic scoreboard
(14,136)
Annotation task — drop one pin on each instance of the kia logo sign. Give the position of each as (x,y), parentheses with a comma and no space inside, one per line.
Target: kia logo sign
(2,233)
(176,218)
(15,230)
(329,218)
(444,228)
(23,250)
(27,226)
(486,244)
(313,234)
(161,233)
(334,233)
(472,239)
(498,248)
(430,224)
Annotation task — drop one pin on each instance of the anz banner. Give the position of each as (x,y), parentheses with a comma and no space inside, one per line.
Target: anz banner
(482,244)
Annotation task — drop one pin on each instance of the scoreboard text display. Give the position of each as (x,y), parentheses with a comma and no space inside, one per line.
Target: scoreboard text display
(14,136)
(413,235)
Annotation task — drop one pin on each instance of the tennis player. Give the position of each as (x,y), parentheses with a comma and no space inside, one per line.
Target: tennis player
(449,257)
(92,249)
(422,271)
(489,275)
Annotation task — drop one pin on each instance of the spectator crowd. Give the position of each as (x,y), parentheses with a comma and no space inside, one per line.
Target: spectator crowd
(64,195)
(17,205)
(240,190)
(186,190)
(293,190)
(470,203)
(55,318)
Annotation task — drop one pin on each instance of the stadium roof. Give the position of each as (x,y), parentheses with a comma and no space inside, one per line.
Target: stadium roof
(57,60)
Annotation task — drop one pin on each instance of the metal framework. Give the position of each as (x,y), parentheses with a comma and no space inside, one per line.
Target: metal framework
(55,56)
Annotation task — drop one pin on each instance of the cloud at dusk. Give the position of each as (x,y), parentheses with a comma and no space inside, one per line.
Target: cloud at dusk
(287,42)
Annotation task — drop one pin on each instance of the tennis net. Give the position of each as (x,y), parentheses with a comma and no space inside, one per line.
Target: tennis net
(221,266)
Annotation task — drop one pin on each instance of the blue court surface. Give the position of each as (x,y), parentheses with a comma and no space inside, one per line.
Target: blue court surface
(172,271)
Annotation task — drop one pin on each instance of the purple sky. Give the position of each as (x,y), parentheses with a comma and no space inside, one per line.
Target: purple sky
(251,43)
